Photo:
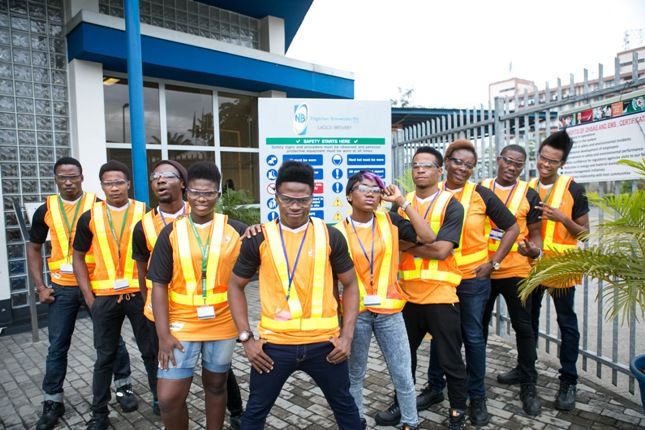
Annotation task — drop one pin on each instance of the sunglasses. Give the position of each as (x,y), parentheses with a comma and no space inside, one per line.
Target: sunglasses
(365,189)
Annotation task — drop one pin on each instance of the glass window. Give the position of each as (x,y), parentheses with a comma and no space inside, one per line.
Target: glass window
(240,172)
(189,116)
(125,156)
(117,110)
(238,120)
(186,158)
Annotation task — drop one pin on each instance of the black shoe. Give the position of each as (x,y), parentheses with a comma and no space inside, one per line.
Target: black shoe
(236,421)
(478,412)
(457,420)
(155,408)
(565,400)
(98,422)
(125,398)
(363,423)
(52,411)
(531,403)
(389,417)
(512,377)
(428,397)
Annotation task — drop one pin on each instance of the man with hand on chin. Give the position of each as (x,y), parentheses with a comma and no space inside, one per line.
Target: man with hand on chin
(298,258)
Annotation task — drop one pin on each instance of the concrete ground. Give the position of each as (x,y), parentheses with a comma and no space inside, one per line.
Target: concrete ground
(301,404)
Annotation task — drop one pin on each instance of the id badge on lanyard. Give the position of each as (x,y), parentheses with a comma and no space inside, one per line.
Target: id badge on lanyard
(120,284)
(372,300)
(66,269)
(206,312)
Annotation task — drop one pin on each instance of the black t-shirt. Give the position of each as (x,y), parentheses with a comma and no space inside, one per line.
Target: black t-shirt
(534,214)
(496,210)
(84,236)
(450,230)
(39,229)
(580,202)
(161,262)
(406,230)
(249,259)
(140,250)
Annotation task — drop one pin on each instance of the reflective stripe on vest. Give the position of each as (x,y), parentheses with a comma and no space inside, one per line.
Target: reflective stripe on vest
(429,269)
(384,275)
(297,322)
(186,263)
(149,229)
(59,228)
(513,206)
(555,200)
(99,217)
(462,260)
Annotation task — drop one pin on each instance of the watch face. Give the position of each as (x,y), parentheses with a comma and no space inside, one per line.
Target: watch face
(244,336)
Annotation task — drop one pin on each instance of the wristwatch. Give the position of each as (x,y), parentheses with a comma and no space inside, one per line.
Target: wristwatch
(245,335)
(495,265)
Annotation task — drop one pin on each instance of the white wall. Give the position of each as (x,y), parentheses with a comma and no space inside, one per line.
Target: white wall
(87,120)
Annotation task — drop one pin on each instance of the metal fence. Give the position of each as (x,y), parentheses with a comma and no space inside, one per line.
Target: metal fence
(606,347)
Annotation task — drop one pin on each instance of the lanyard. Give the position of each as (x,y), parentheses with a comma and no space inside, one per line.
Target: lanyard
(117,239)
(291,273)
(203,248)
(163,219)
(548,194)
(369,260)
(67,224)
(509,194)
(434,197)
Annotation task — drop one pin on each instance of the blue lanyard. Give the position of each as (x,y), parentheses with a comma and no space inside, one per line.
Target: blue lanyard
(163,219)
(509,194)
(291,273)
(369,260)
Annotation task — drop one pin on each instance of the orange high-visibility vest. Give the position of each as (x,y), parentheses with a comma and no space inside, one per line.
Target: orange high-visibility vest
(105,274)
(316,321)
(386,283)
(556,239)
(513,205)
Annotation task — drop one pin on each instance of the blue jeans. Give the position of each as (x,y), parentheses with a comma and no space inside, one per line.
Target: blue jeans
(392,338)
(473,295)
(563,300)
(333,380)
(61,320)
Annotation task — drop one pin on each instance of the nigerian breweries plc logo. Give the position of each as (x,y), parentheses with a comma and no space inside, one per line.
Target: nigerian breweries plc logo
(300,118)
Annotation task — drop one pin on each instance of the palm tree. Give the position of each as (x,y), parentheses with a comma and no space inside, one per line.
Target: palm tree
(616,258)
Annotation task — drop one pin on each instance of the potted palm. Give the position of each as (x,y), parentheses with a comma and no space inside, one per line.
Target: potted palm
(616,259)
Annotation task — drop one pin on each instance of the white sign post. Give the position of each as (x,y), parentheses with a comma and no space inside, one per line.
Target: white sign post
(336,137)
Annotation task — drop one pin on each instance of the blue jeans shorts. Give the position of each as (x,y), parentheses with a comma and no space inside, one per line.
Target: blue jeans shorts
(216,357)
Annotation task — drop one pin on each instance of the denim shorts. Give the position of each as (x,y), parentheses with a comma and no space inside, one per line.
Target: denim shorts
(216,357)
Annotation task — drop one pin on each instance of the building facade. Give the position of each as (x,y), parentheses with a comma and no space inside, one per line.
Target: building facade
(64,91)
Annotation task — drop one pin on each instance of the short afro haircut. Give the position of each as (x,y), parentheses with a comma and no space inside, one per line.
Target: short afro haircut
(432,151)
(114,166)
(514,147)
(559,140)
(68,161)
(204,170)
(461,144)
(295,171)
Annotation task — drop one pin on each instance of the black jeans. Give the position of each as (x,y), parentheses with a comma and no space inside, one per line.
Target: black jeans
(443,322)
(520,315)
(108,313)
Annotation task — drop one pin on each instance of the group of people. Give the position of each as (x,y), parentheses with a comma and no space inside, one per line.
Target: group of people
(434,265)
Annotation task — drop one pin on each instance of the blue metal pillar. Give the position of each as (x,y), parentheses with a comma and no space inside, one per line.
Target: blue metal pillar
(135,87)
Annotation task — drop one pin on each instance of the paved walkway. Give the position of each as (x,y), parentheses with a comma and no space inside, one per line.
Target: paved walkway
(301,405)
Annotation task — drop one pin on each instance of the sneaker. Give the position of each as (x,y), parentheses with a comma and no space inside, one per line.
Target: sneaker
(531,403)
(478,412)
(389,417)
(155,408)
(565,400)
(236,421)
(428,397)
(98,422)
(457,420)
(512,377)
(126,399)
(52,411)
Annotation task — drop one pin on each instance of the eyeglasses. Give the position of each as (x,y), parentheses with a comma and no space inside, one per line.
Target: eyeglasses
(288,200)
(365,189)
(424,166)
(166,175)
(549,161)
(111,184)
(460,163)
(195,194)
(518,164)
(65,178)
